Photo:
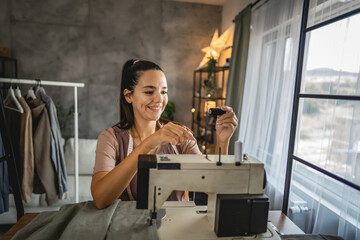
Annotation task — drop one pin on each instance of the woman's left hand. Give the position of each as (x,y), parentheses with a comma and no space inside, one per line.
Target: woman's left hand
(226,125)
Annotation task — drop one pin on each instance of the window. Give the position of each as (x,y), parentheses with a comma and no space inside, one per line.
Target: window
(326,128)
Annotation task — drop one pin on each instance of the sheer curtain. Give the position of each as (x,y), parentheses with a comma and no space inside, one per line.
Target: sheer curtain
(328,132)
(269,88)
(332,208)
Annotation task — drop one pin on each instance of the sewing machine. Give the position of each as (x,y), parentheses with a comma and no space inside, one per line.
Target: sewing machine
(236,206)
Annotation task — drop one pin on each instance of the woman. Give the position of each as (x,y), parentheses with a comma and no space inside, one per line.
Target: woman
(143,97)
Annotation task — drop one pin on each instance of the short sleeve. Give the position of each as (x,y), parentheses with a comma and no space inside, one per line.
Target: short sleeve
(106,151)
(190,147)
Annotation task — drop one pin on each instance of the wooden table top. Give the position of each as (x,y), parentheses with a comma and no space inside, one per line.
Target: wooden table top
(280,220)
(283,223)
(24,220)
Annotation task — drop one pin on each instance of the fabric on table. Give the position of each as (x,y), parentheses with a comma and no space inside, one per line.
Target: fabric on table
(44,174)
(4,181)
(57,151)
(121,220)
(26,152)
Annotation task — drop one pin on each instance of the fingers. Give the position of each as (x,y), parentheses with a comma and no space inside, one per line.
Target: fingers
(228,118)
(182,131)
(226,108)
(228,123)
(176,134)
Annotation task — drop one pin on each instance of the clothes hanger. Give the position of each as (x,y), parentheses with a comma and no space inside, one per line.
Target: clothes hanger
(31,93)
(11,97)
(40,86)
(18,92)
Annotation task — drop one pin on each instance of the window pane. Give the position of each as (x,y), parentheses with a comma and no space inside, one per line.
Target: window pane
(332,59)
(327,206)
(329,136)
(322,10)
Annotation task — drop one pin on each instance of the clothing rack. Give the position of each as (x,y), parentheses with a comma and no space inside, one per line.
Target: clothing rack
(75,85)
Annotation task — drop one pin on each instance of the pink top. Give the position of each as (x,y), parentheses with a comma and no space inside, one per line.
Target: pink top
(107,150)
(109,154)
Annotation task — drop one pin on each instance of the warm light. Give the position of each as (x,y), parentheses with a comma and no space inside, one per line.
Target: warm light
(216,46)
(209,95)
(209,104)
(193,110)
(203,147)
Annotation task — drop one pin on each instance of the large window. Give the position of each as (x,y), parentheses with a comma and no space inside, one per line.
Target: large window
(324,162)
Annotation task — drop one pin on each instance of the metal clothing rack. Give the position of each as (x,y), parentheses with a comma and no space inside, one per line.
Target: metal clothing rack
(75,85)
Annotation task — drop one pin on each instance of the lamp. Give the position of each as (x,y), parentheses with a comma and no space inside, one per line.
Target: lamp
(217,45)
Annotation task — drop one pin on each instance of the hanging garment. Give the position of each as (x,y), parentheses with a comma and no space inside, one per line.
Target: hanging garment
(13,119)
(57,152)
(4,181)
(44,174)
(26,152)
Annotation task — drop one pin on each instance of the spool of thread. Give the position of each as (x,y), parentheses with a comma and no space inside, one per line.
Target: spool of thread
(238,152)
(216,111)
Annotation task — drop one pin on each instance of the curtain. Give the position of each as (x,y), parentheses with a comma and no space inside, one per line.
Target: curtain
(269,87)
(239,54)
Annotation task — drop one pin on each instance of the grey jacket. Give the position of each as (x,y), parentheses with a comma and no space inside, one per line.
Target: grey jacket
(57,152)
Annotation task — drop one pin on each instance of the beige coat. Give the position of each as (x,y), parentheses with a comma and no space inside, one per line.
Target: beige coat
(26,152)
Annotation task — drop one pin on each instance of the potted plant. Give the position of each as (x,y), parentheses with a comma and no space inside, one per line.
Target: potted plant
(210,83)
(169,111)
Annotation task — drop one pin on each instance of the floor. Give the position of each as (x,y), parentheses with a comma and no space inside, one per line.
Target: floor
(4,228)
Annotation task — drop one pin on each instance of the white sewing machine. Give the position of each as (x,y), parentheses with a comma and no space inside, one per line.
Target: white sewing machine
(237,206)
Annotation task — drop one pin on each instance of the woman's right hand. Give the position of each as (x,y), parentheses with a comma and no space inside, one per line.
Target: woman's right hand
(169,133)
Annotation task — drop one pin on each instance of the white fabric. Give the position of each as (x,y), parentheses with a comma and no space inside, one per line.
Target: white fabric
(130,145)
(269,87)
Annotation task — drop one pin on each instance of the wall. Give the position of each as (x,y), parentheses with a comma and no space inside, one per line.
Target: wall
(230,9)
(89,40)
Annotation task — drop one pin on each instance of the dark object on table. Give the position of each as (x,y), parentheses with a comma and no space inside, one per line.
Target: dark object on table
(241,215)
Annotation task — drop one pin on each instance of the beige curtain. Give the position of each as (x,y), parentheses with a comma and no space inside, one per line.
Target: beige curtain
(236,81)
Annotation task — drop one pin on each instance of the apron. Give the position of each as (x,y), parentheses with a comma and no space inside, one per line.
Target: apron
(126,146)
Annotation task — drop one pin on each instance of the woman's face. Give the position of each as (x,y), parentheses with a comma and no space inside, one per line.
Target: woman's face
(149,96)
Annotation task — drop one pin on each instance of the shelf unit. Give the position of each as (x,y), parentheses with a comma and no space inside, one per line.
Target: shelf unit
(203,125)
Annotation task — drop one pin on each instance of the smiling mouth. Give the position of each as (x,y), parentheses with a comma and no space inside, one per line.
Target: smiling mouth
(155,108)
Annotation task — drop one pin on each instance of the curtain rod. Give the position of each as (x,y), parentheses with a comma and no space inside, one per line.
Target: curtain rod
(252,7)
(43,82)
(257,3)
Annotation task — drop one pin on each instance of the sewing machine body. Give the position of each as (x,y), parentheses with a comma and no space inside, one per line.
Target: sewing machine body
(159,175)
(183,220)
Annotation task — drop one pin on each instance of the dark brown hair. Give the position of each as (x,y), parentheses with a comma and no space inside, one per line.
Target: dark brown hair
(131,72)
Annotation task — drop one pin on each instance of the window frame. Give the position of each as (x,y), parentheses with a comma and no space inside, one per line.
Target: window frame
(296,102)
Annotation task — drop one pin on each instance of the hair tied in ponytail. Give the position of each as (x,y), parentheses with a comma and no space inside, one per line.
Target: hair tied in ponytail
(131,72)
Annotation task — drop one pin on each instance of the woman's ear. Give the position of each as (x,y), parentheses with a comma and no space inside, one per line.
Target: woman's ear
(127,95)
